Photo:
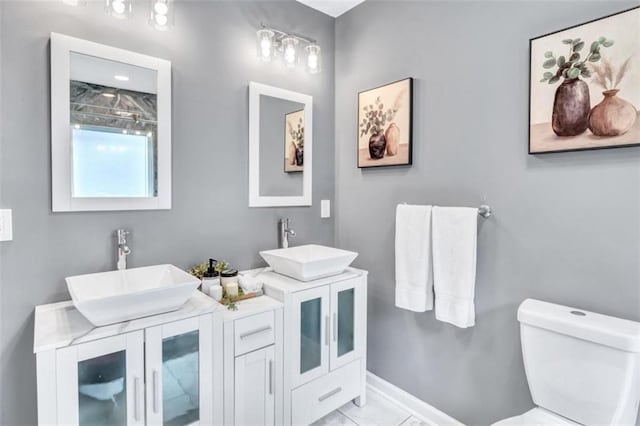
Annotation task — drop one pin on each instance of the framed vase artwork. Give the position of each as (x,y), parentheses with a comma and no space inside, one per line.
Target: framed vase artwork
(294,141)
(385,125)
(584,88)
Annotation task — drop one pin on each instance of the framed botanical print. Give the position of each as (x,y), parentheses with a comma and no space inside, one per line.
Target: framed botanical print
(584,88)
(294,141)
(385,125)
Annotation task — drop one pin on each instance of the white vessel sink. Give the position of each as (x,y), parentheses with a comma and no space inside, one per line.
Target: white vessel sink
(116,296)
(309,262)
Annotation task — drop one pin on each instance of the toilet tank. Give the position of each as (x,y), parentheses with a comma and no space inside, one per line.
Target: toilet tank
(581,365)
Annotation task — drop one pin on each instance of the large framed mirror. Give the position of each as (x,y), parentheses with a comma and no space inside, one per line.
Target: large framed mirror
(110,128)
(280,147)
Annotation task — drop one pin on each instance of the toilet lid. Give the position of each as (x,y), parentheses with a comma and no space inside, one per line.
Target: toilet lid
(536,417)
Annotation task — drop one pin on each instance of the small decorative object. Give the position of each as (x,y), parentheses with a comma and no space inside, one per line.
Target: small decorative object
(385,125)
(586,59)
(216,292)
(231,289)
(199,270)
(294,142)
(211,277)
(228,276)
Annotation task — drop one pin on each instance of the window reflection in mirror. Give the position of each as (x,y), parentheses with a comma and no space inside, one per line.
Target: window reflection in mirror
(114,127)
(281,147)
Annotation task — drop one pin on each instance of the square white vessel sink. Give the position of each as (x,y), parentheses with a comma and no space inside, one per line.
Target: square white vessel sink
(309,262)
(116,296)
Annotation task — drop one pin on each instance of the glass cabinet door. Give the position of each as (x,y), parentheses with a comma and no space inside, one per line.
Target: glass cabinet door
(102,394)
(344,321)
(310,334)
(180,377)
(102,382)
(178,369)
(346,306)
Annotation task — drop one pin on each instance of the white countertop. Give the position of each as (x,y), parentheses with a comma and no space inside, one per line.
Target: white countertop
(250,307)
(60,324)
(291,285)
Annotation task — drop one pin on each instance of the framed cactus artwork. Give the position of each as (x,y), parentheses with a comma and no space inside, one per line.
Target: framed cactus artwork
(584,88)
(385,125)
(294,141)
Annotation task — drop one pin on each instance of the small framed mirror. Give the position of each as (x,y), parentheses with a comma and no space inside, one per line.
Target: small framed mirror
(280,147)
(110,128)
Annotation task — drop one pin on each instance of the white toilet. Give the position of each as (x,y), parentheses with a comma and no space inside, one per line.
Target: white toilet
(583,368)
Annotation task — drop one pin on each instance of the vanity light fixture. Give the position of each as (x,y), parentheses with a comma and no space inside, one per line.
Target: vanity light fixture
(313,58)
(120,9)
(121,77)
(289,46)
(265,44)
(161,14)
(272,41)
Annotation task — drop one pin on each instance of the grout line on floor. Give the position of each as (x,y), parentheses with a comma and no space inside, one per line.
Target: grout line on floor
(408,417)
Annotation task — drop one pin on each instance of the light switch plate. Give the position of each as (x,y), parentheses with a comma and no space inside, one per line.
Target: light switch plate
(6,225)
(325,209)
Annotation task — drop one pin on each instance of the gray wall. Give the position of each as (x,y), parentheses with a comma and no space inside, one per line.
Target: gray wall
(212,49)
(274,181)
(566,227)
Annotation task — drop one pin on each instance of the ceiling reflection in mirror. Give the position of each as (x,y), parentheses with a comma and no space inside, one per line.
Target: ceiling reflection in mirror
(114,128)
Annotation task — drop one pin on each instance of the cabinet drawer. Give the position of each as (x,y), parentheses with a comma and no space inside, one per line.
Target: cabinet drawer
(254,332)
(325,394)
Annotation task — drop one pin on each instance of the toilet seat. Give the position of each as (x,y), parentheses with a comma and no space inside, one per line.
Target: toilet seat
(536,417)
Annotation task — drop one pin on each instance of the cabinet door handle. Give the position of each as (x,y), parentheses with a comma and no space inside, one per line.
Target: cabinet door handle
(335,326)
(270,377)
(327,330)
(136,398)
(156,391)
(330,394)
(254,332)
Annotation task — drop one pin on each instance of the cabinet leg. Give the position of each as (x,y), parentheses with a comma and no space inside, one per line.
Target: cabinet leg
(361,401)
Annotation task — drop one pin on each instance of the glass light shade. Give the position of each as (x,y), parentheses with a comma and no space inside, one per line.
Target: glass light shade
(290,54)
(120,9)
(265,45)
(313,58)
(161,13)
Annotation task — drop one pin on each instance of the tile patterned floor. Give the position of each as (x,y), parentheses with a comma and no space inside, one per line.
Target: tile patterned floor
(379,411)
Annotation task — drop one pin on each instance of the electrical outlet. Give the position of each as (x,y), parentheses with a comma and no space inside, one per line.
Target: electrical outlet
(6,226)
(325,209)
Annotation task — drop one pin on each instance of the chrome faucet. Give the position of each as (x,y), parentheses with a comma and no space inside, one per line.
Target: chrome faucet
(284,232)
(123,249)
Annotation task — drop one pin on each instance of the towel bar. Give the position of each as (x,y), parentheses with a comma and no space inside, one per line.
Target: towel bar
(484,211)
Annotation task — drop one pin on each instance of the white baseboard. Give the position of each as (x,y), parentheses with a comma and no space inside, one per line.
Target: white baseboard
(416,407)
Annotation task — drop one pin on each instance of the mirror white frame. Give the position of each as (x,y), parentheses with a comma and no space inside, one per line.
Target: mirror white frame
(255,199)
(61,152)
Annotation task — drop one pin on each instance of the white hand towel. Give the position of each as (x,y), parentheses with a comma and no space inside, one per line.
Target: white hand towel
(414,277)
(455,236)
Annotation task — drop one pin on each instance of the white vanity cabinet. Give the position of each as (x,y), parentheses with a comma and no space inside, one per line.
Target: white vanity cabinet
(253,338)
(324,342)
(158,370)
